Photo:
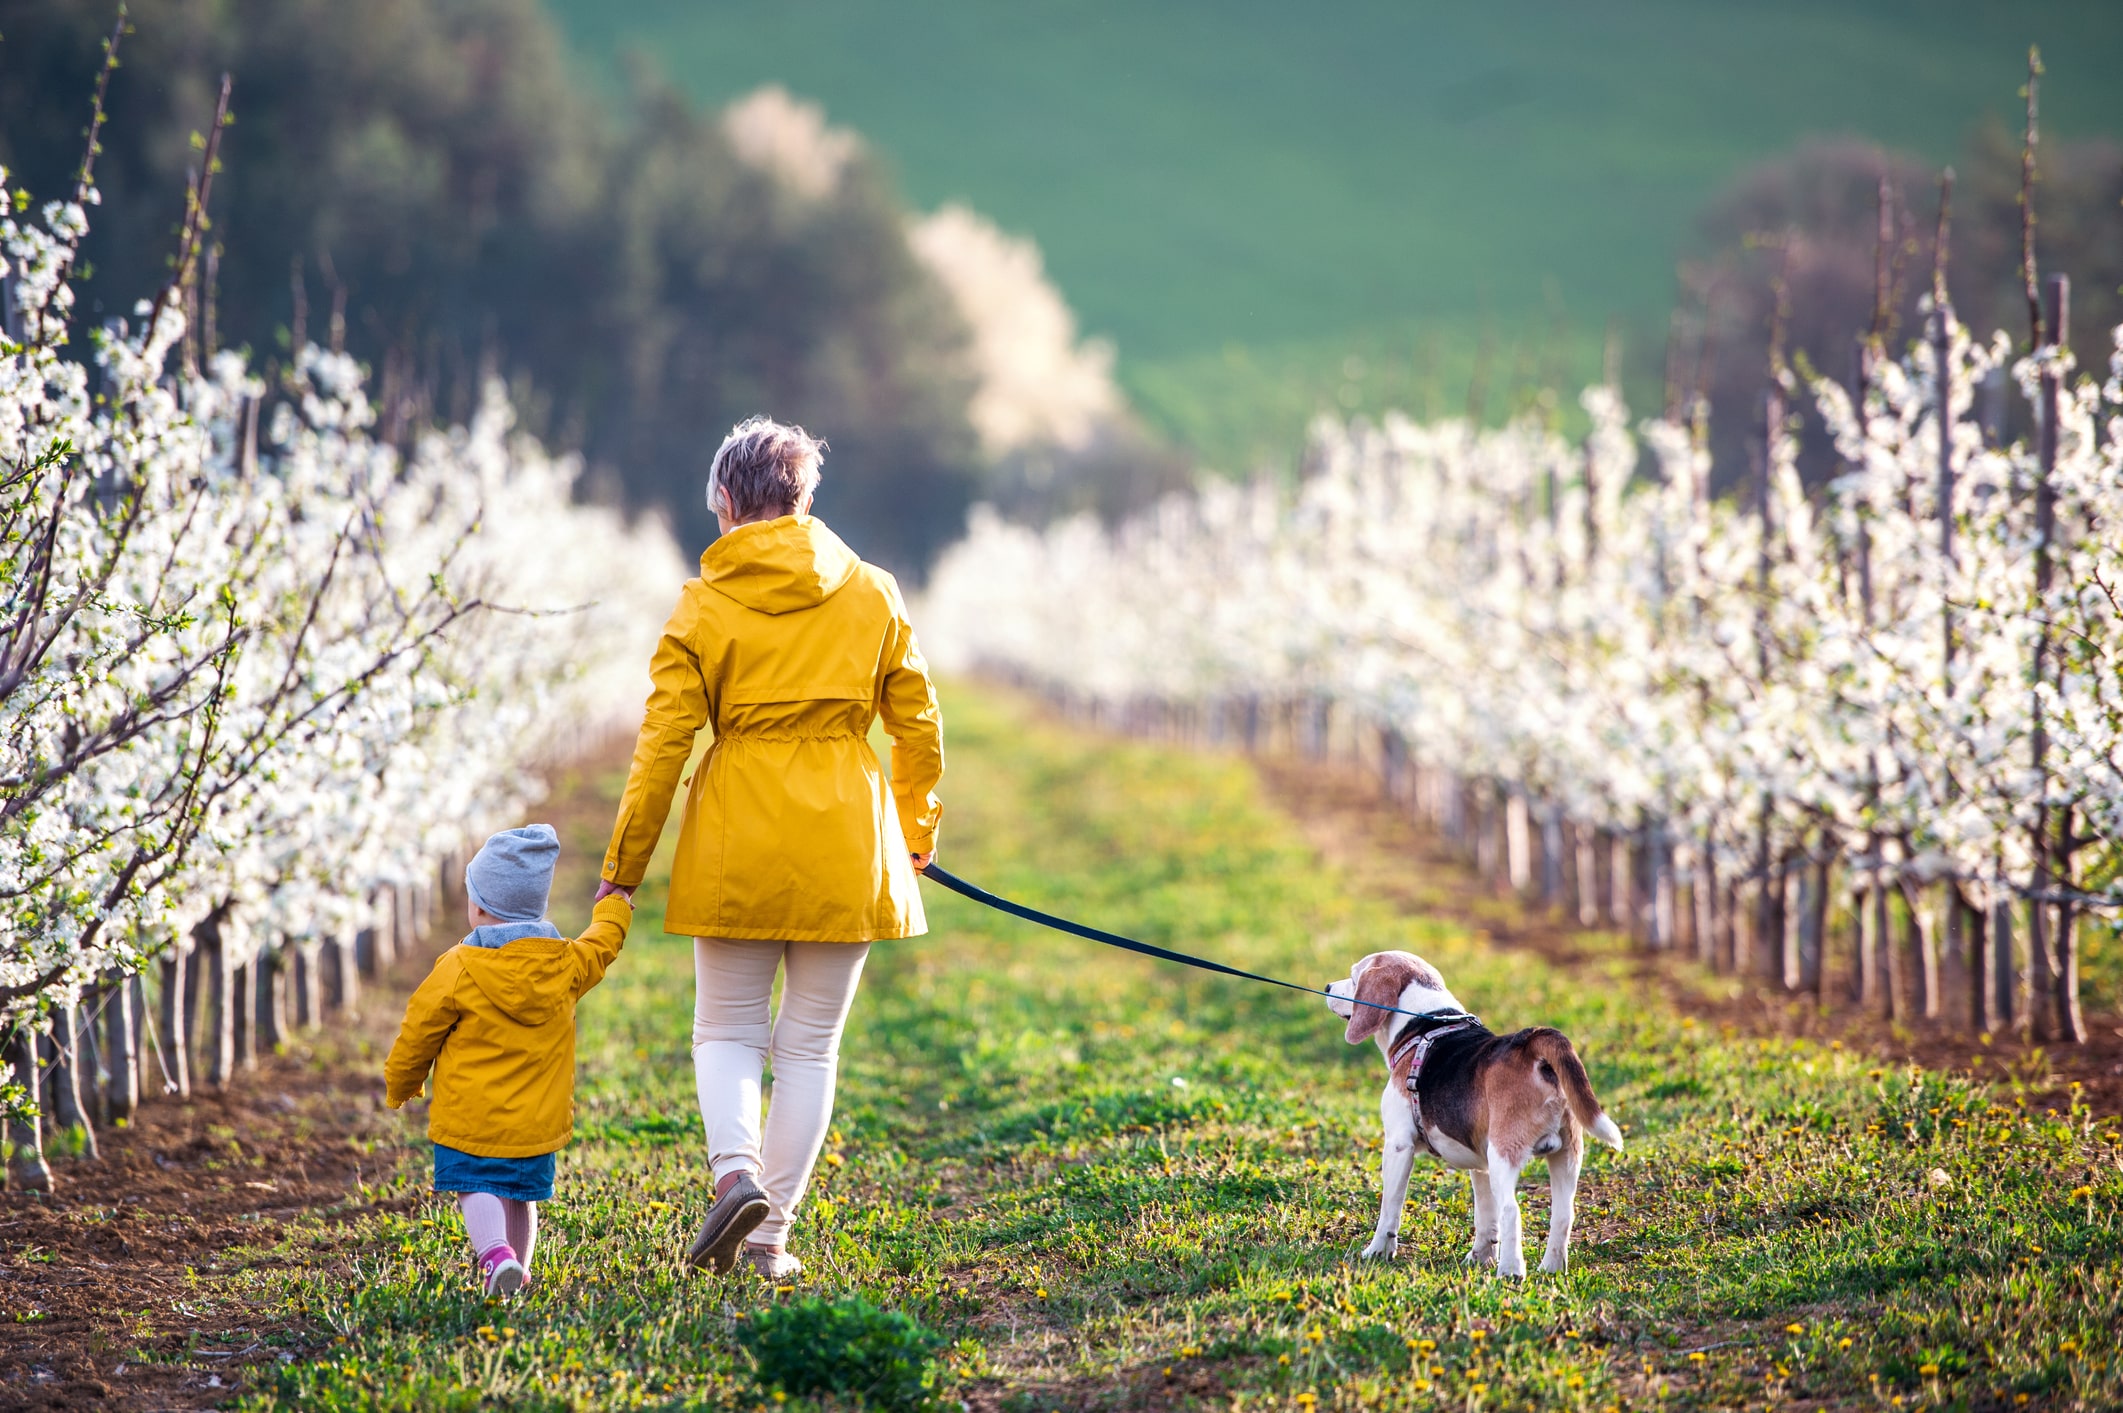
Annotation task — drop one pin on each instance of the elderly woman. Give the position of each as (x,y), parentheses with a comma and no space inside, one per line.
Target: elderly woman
(789,854)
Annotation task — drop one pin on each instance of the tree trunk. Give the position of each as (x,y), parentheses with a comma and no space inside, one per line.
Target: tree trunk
(391,941)
(121,1048)
(1484,839)
(1518,843)
(1768,934)
(1588,876)
(269,1019)
(95,1065)
(1665,899)
(1703,893)
(68,1054)
(175,1051)
(342,969)
(1621,882)
(26,1167)
(1922,967)
(2004,965)
(1791,913)
(1729,912)
(1570,855)
(1813,927)
(1982,975)
(2041,973)
(243,1010)
(2071,1021)
(305,1000)
(2064,951)
(1552,885)
(1896,1004)
(220,1037)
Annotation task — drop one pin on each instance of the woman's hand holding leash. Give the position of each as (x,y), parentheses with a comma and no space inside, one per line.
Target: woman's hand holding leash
(922,861)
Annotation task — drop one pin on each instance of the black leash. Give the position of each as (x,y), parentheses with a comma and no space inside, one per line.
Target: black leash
(936,874)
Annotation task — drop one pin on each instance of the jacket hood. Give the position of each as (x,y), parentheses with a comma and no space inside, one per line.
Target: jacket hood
(779,566)
(528,980)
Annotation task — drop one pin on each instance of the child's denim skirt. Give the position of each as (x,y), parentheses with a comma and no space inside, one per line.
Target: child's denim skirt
(519,1179)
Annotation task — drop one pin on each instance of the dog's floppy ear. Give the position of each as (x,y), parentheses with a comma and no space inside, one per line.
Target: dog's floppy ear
(1380,985)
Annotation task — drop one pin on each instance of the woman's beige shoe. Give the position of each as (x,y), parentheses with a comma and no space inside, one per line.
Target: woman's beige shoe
(727,1224)
(773,1263)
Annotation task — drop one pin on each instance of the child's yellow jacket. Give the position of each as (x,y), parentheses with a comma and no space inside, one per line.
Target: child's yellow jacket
(498,1025)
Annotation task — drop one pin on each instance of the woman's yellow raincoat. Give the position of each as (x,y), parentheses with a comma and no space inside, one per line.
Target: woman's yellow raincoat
(790,647)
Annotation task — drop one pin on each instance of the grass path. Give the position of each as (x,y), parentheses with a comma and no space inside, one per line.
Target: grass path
(1114,1185)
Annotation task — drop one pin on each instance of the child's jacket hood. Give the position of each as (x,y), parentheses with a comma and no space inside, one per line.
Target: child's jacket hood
(530,980)
(779,566)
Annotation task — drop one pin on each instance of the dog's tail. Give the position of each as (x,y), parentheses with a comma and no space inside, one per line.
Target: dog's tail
(1560,1058)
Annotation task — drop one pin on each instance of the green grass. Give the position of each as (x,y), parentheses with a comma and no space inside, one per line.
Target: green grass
(1300,182)
(1105,1182)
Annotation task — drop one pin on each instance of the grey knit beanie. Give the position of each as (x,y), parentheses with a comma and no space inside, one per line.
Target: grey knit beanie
(512,875)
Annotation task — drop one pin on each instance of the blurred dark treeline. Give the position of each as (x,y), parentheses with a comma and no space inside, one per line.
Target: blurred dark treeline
(1812,218)
(426,181)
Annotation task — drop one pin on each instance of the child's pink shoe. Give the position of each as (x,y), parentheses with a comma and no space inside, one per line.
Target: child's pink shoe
(504,1274)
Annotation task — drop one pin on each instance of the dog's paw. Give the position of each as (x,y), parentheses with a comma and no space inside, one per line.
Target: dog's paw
(1383,1248)
(1480,1256)
(1554,1265)
(1513,1268)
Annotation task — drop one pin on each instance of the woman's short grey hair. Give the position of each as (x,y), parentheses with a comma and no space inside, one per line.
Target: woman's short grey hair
(765,468)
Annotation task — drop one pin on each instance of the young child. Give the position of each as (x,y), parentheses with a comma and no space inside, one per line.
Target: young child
(496,1020)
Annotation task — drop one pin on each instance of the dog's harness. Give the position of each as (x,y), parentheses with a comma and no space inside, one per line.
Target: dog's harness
(1415,1043)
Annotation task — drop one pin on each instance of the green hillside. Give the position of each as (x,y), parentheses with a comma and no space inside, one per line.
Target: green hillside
(1244,194)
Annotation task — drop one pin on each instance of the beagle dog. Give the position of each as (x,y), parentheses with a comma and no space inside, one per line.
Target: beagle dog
(1486,1104)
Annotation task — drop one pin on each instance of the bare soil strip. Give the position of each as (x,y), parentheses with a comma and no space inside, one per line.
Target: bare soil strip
(1389,855)
(127,1287)
(130,1286)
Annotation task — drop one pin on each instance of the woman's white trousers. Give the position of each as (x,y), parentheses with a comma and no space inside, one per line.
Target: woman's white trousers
(734,1037)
